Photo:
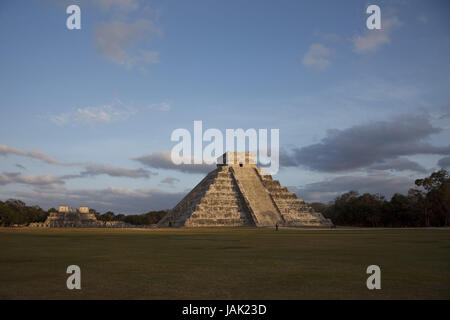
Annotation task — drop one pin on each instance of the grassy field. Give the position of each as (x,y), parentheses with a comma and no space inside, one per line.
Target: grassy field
(224,263)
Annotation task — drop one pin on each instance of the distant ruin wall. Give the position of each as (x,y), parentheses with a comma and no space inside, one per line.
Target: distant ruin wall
(78,220)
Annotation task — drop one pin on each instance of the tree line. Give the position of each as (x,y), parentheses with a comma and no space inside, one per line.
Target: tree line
(16,212)
(426,205)
(151,217)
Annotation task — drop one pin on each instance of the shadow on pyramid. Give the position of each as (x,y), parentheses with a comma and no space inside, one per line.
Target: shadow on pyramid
(237,193)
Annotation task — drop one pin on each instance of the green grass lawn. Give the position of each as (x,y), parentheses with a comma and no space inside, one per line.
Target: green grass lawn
(244,263)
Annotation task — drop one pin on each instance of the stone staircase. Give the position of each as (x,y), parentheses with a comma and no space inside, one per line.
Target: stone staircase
(294,211)
(258,200)
(215,201)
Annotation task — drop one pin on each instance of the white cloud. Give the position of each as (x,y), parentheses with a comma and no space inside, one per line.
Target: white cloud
(327,36)
(163,106)
(123,5)
(317,57)
(123,42)
(93,115)
(423,19)
(371,40)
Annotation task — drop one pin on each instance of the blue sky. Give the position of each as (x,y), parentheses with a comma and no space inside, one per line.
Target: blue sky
(356,109)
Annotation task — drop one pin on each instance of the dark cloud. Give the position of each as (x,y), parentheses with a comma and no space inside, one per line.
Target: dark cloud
(445,112)
(444,162)
(383,183)
(445,116)
(287,159)
(35,154)
(90,169)
(162,160)
(123,42)
(16,177)
(119,200)
(170,181)
(371,144)
(399,164)
(93,169)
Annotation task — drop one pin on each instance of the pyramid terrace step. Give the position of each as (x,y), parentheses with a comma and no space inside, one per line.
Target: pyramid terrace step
(223,186)
(213,222)
(215,215)
(224,202)
(294,212)
(212,207)
(288,203)
(222,190)
(272,183)
(290,200)
(223,174)
(220,181)
(220,194)
(301,218)
(295,209)
(295,215)
(283,195)
(274,188)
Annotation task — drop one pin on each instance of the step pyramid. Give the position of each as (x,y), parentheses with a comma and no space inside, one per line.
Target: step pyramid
(237,193)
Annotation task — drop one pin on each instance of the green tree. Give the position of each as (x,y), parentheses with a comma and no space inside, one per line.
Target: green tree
(433,197)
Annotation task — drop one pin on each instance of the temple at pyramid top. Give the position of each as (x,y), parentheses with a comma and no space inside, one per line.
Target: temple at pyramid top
(237,158)
(237,193)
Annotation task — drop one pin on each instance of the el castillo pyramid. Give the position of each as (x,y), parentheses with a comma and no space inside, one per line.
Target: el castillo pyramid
(237,193)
